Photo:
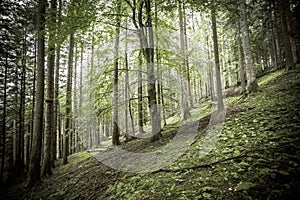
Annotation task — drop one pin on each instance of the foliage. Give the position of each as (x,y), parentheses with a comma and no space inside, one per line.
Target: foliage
(262,126)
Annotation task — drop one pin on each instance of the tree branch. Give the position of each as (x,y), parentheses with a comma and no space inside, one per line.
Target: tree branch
(243,154)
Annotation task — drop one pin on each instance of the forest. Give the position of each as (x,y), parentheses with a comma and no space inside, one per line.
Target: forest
(150,99)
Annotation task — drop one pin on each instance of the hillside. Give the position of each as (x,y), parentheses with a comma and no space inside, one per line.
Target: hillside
(257,156)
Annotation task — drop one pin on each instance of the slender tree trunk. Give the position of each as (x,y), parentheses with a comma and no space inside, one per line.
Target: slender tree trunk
(292,33)
(240,52)
(59,129)
(49,126)
(188,73)
(75,103)
(35,157)
(209,86)
(56,122)
(217,62)
(140,96)
(163,104)
(80,90)
(126,89)
(27,149)
(158,70)
(149,54)
(68,124)
(56,107)
(91,96)
(3,152)
(274,38)
(282,7)
(19,164)
(184,83)
(251,76)
(116,131)
(33,94)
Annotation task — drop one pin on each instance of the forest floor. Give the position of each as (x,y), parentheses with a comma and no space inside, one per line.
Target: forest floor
(256,156)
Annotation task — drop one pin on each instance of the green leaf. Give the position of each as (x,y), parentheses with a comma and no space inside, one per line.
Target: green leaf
(206,195)
(244,185)
(284,172)
(207,188)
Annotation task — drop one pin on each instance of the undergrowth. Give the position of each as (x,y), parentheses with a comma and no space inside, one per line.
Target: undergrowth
(262,140)
(257,156)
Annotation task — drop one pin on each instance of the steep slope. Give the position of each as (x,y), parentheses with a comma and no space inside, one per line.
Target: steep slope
(257,156)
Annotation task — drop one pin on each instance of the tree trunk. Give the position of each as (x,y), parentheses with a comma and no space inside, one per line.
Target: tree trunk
(49,126)
(35,157)
(149,55)
(250,72)
(184,83)
(80,90)
(56,123)
(60,136)
(188,74)
(158,62)
(140,96)
(209,85)
(217,61)
(126,91)
(274,38)
(240,52)
(68,125)
(33,94)
(19,164)
(283,7)
(3,152)
(56,107)
(116,131)
(75,103)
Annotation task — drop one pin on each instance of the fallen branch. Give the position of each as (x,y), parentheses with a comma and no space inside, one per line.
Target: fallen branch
(243,154)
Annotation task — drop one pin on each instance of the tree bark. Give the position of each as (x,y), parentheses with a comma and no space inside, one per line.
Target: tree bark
(283,7)
(116,131)
(3,155)
(68,125)
(149,54)
(185,96)
(75,103)
(49,126)
(35,157)
(140,96)
(250,72)
(56,95)
(240,53)
(188,73)
(80,91)
(19,164)
(217,61)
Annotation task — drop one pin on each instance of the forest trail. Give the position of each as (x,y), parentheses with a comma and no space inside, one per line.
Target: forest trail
(257,156)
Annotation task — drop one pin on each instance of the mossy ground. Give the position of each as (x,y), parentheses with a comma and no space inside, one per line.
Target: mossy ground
(257,156)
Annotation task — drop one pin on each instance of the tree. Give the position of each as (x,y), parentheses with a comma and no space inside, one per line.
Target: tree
(49,126)
(35,157)
(116,131)
(283,7)
(56,126)
(147,48)
(250,72)
(185,85)
(68,126)
(140,95)
(240,53)
(217,61)
(148,51)
(4,121)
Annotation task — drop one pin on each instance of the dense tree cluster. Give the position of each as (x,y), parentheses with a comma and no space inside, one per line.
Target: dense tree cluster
(77,73)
